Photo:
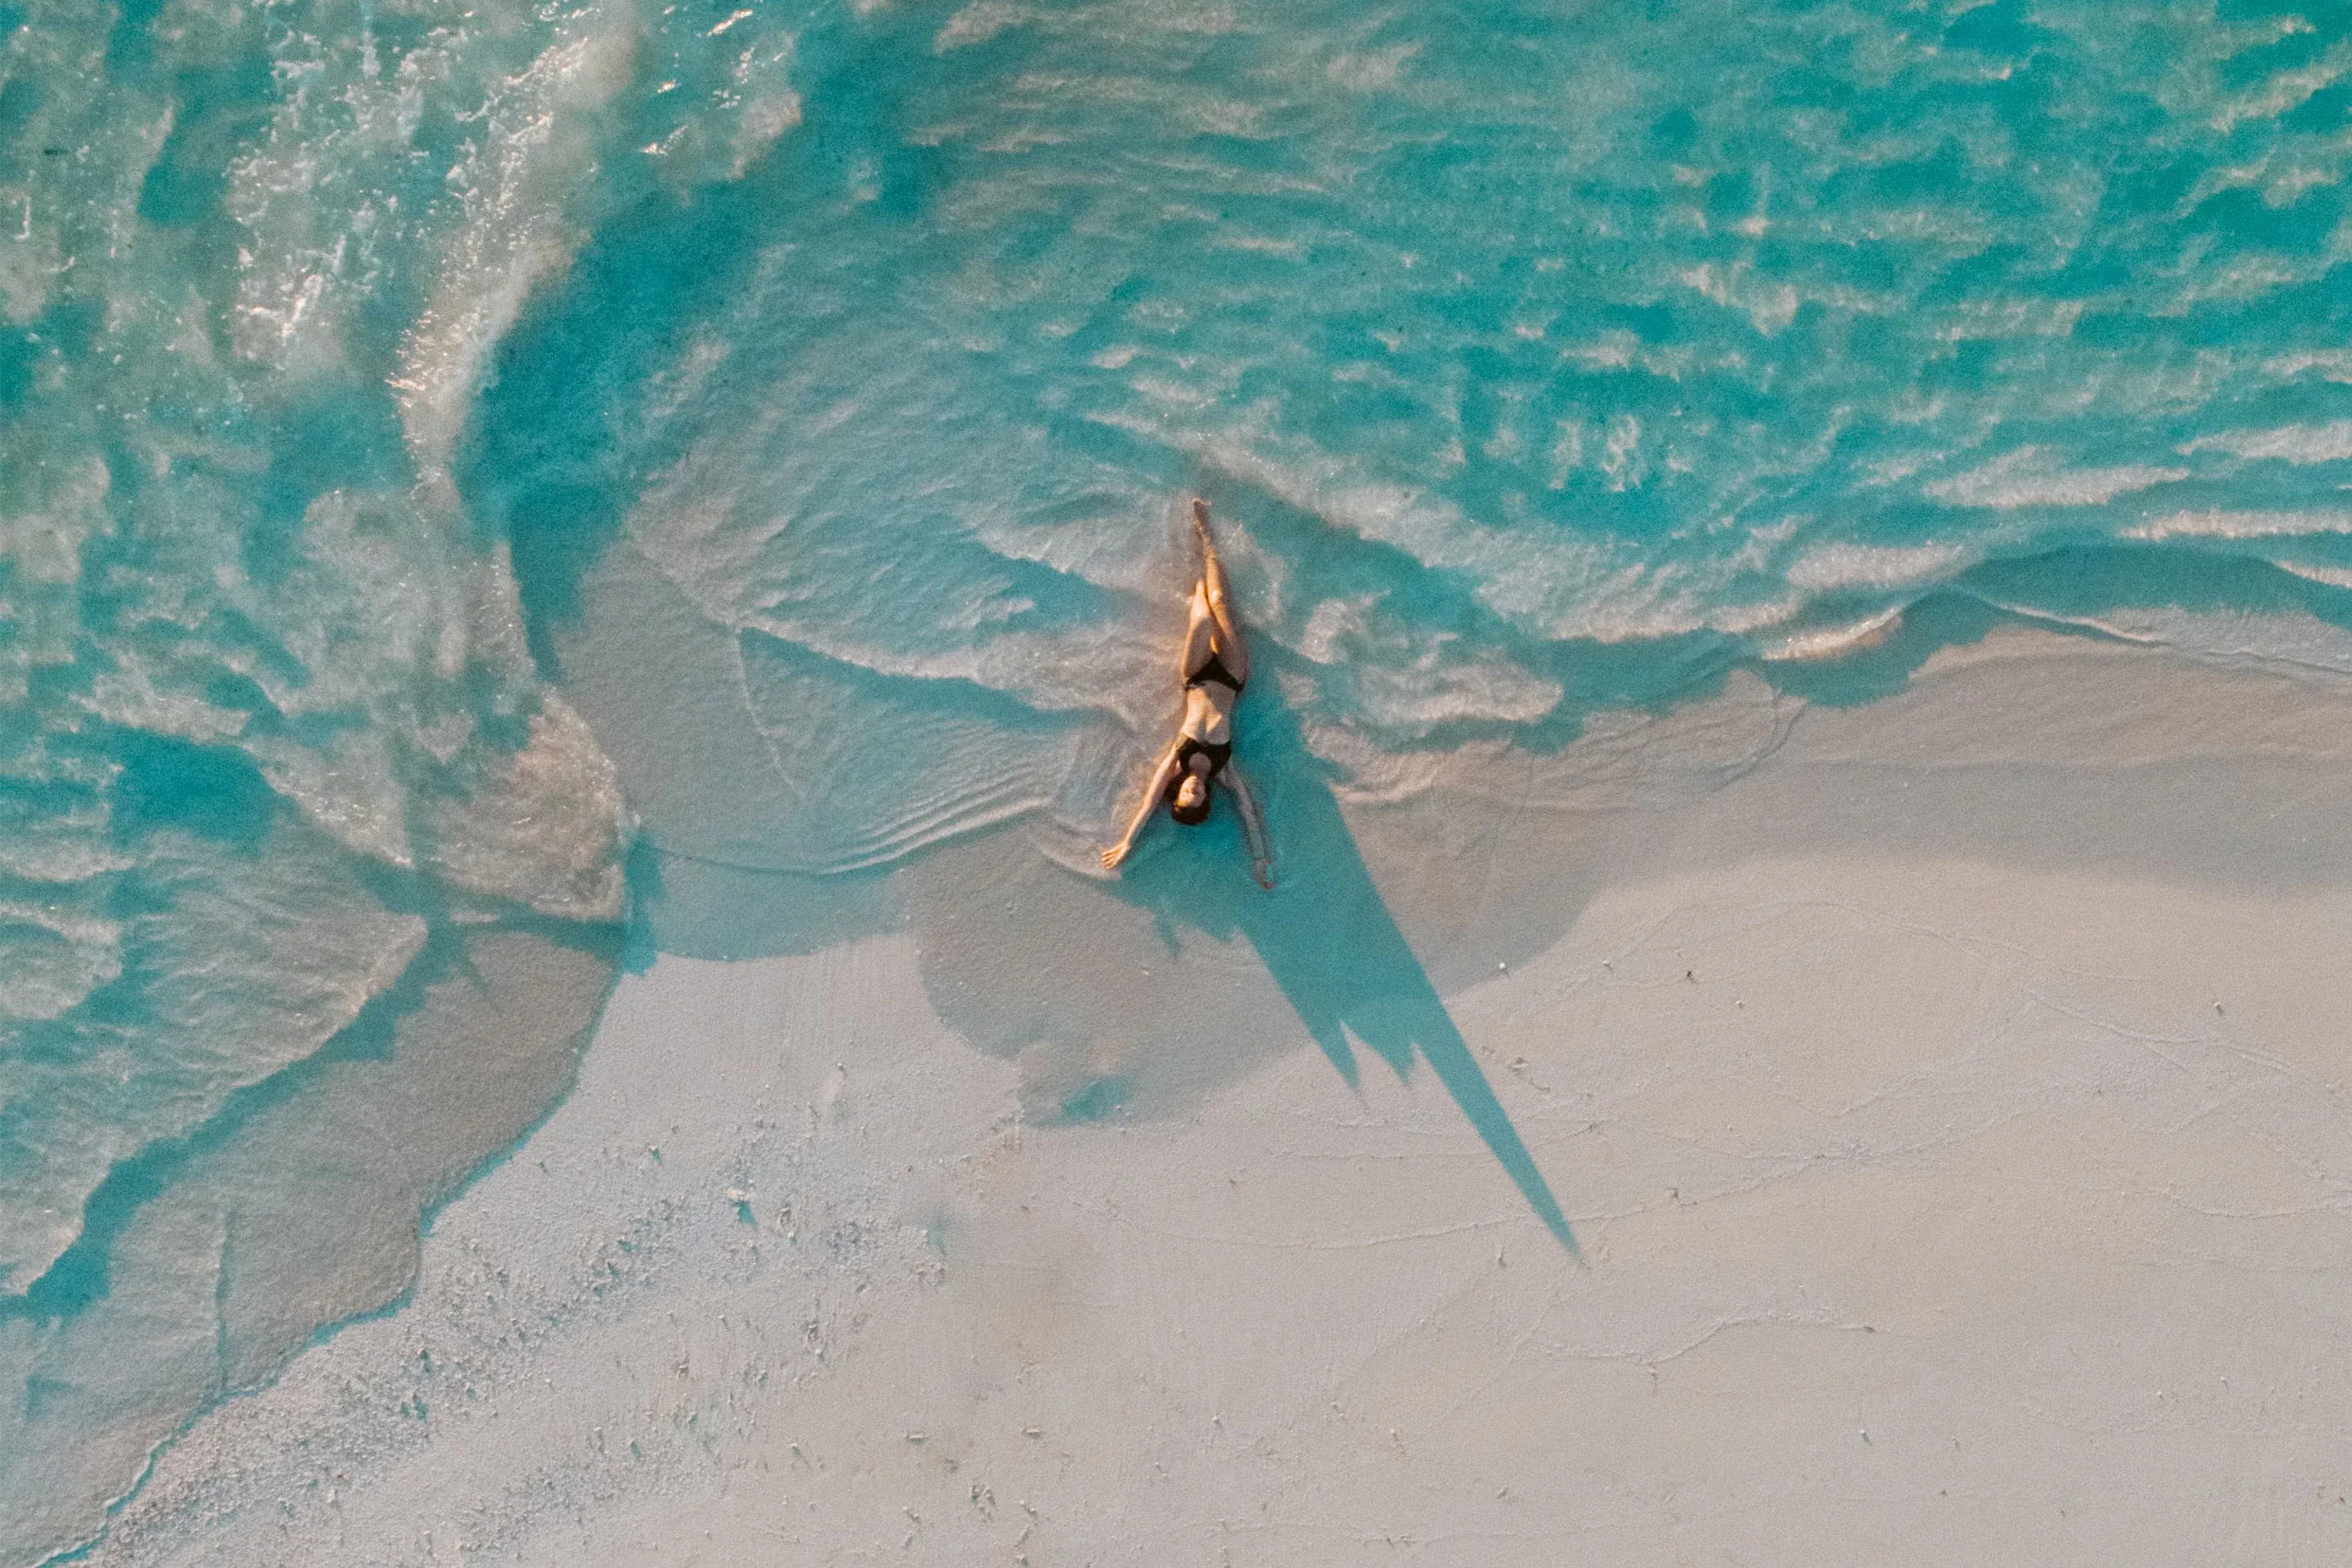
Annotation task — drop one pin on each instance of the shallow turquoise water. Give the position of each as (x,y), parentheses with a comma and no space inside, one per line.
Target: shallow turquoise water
(368,372)
(1540,365)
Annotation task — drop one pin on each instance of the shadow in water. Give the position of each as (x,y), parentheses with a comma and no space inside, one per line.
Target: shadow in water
(1325,935)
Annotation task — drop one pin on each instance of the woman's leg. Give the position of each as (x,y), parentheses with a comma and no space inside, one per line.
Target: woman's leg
(1200,634)
(1210,596)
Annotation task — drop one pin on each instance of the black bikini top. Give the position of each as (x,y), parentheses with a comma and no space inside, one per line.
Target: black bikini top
(1219,753)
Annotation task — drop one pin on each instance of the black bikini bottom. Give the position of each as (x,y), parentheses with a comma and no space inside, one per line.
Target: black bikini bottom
(1214,668)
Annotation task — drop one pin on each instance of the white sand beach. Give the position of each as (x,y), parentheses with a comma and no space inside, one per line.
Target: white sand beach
(1947,1095)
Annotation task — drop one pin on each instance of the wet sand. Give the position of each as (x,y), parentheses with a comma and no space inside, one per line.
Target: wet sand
(1942,1099)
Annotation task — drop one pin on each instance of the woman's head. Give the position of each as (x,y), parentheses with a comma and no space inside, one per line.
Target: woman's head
(1190,806)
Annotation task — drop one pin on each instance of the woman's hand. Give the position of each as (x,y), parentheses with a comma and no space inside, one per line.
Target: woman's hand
(1265,875)
(1113,855)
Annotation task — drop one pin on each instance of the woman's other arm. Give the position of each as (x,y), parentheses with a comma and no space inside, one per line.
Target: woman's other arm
(1253,826)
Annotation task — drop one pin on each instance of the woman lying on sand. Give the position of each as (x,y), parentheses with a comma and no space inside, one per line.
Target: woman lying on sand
(1214,669)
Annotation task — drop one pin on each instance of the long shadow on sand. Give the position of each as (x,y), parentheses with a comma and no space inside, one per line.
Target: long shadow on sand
(1327,938)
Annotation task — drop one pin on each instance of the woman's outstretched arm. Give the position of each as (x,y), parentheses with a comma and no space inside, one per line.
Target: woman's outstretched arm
(1213,576)
(1253,826)
(1160,774)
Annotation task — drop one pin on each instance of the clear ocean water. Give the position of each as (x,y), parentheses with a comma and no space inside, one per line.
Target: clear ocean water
(444,444)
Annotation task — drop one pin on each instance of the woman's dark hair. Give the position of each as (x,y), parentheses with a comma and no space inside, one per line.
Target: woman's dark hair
(1194,816)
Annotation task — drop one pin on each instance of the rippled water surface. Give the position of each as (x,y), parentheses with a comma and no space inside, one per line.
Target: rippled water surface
(439,439)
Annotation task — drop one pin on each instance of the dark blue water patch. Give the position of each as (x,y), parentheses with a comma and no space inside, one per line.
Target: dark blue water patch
(19,354)
(2092,579)
(2321,114)
(70,327)
(2318,308)
(20,100)
(856,121)
(2004,29)
(2237,13)
(1675,135)
(537,463)
(212,792)
(1929,177)
(646,890)
(216,108)
(559,533)
(129,45)
(82,1273)
(2243,217)
(2253,63)
(237,692)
